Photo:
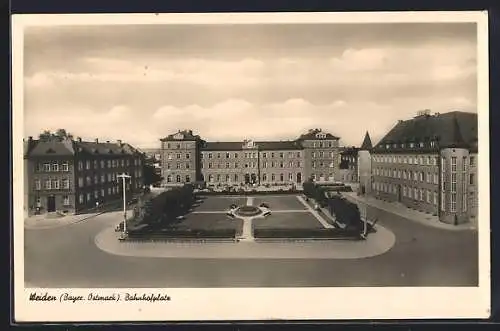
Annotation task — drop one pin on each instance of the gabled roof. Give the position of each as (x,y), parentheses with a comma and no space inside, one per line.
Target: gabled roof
(453,129)
(313,135)
(367,143)
(222,146)
(52,147)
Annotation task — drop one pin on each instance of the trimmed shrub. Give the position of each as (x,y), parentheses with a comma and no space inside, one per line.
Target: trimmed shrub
(307,233)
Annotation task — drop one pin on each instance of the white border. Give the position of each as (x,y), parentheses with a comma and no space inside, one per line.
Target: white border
(260,303)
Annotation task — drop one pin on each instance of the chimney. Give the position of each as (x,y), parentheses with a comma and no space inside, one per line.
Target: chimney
(79,139)
(96,140)
(107,141)
(30,138)
(119,142)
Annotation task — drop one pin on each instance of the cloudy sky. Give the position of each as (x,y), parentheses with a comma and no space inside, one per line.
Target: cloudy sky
(141,83)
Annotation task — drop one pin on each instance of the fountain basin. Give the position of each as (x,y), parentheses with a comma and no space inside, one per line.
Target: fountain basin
(248,211)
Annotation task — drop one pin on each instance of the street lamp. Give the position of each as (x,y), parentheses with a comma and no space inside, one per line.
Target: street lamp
(124,176)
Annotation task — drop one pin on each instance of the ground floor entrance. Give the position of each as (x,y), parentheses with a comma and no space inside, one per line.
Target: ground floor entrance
(51,203)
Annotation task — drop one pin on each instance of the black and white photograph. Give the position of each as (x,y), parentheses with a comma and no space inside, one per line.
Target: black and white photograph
(251,166)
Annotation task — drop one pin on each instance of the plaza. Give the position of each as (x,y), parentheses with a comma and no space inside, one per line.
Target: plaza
(86,253)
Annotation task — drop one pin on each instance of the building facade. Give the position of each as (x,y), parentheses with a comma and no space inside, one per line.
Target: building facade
(71,176)
(188,158)
(428,163)
(348,168)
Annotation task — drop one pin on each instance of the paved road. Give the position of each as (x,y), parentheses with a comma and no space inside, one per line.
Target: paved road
(422,256)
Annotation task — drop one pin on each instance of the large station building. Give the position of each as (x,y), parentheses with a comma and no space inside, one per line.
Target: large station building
(427,163)
(70,176)
(186,157)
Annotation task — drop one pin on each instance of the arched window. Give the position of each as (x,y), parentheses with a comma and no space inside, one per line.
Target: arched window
(236,177)
(210,178)
(282,178)
(178,178)
(228,178)
(273,177)
(188,179)
(264,177)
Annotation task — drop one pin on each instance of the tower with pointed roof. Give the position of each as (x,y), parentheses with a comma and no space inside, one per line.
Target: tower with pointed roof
(365,165)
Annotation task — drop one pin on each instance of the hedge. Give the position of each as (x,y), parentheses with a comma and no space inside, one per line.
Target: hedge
(306,233)
(172,234)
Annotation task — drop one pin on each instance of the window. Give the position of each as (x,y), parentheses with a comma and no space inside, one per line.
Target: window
(404,191)
(103,192)
(235,177)
(235,155)
(394,173)
(65,200)
(169,178)
(210,165)
(428,196)
(46,167)
(96,194)
(80,165)
(87,165)
(218,177)
(178,155)
(435,198)
(313,154)
(421,176)
(428,177)
(471,161)
(188,179)
(88,197)
(65,183)
(96,179)
(453,163)
(48,183)
(209,155)
(443,201)
(178,165)
(415,193)
(321,154)
(290,164)
(298,154)
(178,178)
(80,182)
(187,156)
(235,164)
(89,180)
(123,162)
(282,178)
(55,166)
(453,206)
(227,165)
(80,198)
(314,164)
(273,177)
(218,155)
(110,191)
(38,186)
(435,178)
(443,164)
(415,174)
(109,164)
(298,163)
(471,179)
(187,165)
(404,174)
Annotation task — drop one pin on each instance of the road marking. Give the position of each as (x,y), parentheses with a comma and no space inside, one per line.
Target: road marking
(249,201)
(325,224)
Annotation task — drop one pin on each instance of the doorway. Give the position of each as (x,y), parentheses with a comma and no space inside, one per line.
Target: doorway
(51,203)
(299,178)
(399,193)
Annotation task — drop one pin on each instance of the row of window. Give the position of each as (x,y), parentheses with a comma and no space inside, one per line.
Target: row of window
(53,166)
(431,178)
(108,163)
(111,177)
(408,192)
(407,159)
(253,155)
(421,144)
(52,184)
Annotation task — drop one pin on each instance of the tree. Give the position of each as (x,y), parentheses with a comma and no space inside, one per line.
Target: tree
(151,177)
(59,135)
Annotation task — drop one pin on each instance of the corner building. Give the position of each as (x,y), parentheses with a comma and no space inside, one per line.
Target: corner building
(428,163)
(187,158)
(70,176)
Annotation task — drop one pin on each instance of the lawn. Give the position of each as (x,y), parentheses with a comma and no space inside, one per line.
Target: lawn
(210,222)
(287,221)
(219,203)
(285,202)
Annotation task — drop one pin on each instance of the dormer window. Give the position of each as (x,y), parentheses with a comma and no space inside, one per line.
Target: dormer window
(320,135)
(387,146)
(402,145)
(412,145)
(421,144)
(433,144)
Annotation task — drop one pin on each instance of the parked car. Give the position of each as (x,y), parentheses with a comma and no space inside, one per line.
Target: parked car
(264,205)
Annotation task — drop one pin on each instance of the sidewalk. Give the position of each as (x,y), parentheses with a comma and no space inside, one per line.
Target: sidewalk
(407,213)
(53,220)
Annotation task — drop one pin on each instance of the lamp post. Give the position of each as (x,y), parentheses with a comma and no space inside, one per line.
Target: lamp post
(124,176)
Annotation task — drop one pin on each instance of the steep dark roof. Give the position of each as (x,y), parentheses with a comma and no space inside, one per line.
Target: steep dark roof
(311,135)
(367,143)
(222,146)
(453,129)
(52,147)
(261,145)
(188,135)
(279,145)
(68,147)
